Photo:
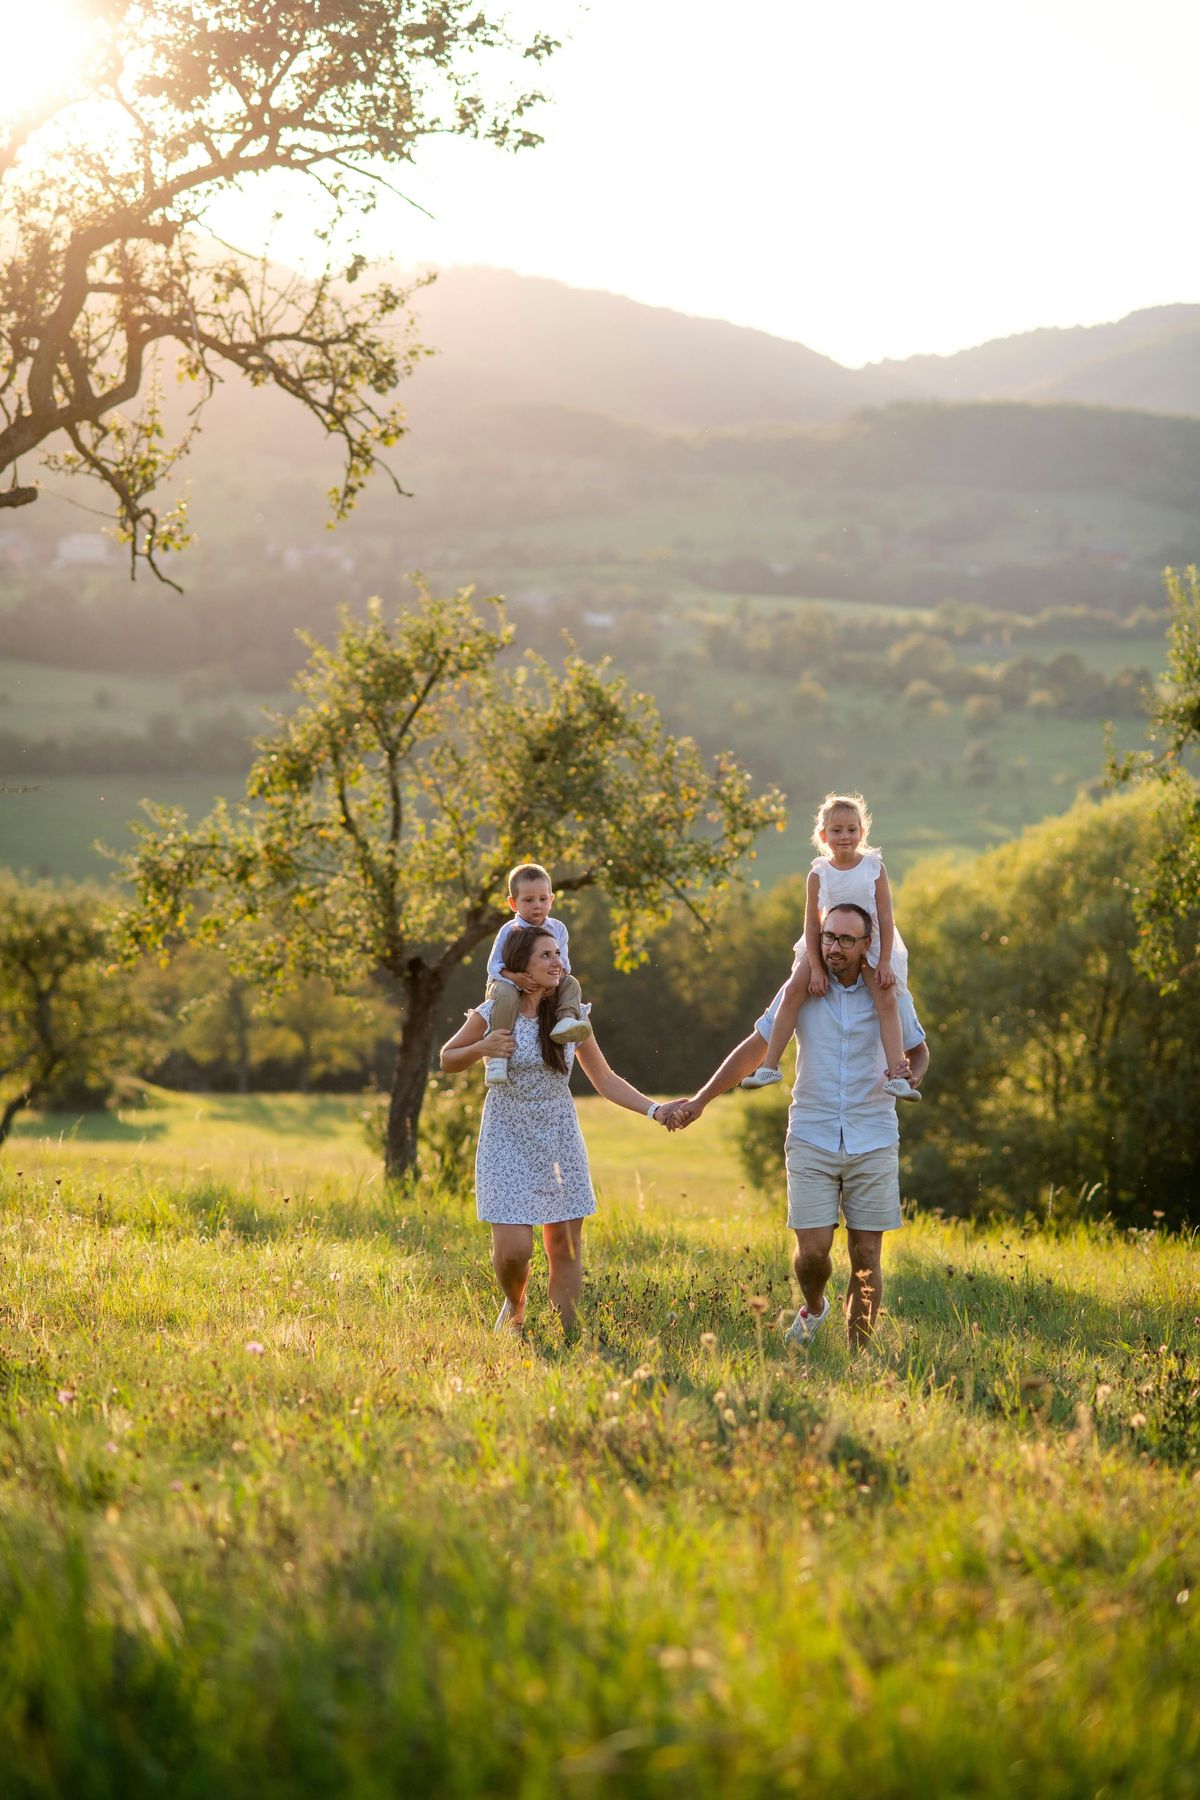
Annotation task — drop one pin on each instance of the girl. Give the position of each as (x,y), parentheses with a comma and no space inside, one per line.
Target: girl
(846,871)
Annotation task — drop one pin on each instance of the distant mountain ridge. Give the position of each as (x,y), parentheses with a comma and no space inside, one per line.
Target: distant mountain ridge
(509,339)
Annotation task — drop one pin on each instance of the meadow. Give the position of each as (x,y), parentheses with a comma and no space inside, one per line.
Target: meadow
(281,1515)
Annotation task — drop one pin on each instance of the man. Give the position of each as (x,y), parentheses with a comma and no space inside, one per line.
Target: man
(843,1139)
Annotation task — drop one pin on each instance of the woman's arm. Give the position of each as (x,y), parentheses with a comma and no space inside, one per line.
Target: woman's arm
(607,1082)
(818,981)
(887,927)
(472,1042)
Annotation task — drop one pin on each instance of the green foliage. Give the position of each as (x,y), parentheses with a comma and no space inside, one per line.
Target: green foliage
(1062,1078)
(68,1020)
(1171,890)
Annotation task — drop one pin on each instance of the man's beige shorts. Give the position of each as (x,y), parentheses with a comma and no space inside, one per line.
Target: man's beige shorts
(867,1187)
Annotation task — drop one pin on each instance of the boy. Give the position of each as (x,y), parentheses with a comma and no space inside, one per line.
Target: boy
(531,897)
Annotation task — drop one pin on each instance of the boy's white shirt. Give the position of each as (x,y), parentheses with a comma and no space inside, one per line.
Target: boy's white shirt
(495,961)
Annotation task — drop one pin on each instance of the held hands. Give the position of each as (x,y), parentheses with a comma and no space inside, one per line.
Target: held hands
(677,1115)
(498,1043)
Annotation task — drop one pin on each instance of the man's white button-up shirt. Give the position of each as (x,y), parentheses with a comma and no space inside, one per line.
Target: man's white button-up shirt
(838,1102)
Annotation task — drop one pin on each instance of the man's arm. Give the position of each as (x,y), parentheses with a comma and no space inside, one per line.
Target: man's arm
(742,1060)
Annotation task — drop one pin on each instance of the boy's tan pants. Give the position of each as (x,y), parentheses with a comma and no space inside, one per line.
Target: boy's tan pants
(506,1000)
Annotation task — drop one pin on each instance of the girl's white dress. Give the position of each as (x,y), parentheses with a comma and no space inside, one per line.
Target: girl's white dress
(837,886)
(531,1163)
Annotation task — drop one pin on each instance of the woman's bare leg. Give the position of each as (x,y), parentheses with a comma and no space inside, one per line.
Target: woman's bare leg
(564,1253)
(512,1255)
(887,1011)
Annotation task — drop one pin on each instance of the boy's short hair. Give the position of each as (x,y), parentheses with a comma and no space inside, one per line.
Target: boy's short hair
(527,872)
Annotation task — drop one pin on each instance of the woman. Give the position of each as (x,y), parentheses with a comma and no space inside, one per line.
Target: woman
(531,1166)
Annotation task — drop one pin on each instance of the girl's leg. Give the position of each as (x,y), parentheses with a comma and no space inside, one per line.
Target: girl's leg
(512,1254)
(794,996)
(564,1253)
(887,1011)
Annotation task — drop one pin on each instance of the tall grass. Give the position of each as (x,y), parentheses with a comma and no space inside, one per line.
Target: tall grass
(279,1514)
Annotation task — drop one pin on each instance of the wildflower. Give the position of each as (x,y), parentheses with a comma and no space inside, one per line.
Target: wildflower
(708,1339)
(1183,1596)
(111,1448)
(66,1396)
(254,1348)
(1137,1421)
(757,1304)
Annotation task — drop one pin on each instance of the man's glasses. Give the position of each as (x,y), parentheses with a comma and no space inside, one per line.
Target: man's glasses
(830,938)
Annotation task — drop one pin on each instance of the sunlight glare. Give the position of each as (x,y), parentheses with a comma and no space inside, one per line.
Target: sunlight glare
(42,44)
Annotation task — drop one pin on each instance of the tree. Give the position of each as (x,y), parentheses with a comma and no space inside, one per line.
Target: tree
(110,256)
(1171,889)
(384,813)
(65,1021)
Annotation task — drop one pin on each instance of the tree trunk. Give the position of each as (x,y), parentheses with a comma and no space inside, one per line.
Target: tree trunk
(10,1112)
(423,990)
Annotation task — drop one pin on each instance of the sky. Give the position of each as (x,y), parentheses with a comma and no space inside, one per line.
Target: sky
(871,180)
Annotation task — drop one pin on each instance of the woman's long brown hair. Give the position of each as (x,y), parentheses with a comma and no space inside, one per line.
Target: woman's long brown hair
(518,948)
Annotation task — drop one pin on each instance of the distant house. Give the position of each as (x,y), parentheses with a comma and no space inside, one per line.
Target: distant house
(83,549)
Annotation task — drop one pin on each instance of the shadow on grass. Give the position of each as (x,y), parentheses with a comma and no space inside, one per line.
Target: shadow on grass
(89,1128)
(284,1115)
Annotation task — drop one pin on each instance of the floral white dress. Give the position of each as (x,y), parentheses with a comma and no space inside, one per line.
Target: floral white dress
(531,1164)
(857,885)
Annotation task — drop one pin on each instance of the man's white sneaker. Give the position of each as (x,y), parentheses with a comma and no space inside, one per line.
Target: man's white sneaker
(495,1070)
(570,1030)
(761,1078)
(900,1089)
(805,1326)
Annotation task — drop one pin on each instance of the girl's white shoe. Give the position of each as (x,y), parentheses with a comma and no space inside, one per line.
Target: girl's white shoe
(495,1070)
(900,1089)
(761,1078)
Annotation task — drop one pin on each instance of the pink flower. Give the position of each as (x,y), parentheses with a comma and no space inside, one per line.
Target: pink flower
(254,1348)
(65,1396)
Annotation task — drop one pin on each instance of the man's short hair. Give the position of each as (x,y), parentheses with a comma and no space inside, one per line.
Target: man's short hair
(850,906)
(527,872)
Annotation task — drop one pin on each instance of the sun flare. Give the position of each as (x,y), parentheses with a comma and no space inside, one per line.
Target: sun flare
(42,45)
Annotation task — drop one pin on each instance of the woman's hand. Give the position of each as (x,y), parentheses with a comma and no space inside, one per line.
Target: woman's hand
(818,981)
(498,1043)
(884,975)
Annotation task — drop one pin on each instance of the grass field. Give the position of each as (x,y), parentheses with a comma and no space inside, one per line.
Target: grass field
(281,1516)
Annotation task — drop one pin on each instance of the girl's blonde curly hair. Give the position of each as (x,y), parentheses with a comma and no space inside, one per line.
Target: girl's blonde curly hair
(830,804)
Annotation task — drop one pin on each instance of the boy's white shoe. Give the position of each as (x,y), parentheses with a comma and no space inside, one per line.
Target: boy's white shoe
(805,1326)
(761,1078)
(900,1089)
(570,1030)
(495,1070)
